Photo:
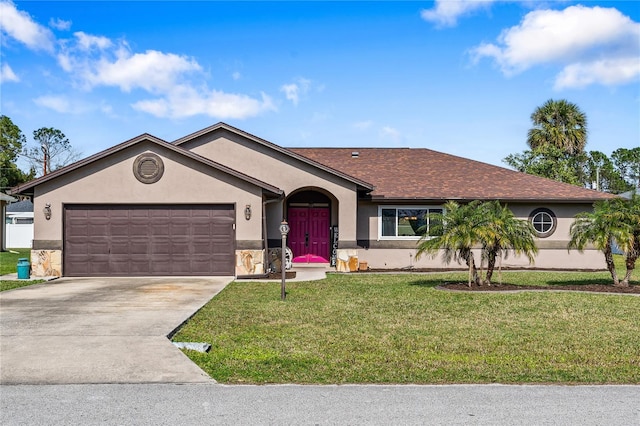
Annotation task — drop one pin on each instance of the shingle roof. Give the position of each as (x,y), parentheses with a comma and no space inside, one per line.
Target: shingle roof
(20,207)
(423,174)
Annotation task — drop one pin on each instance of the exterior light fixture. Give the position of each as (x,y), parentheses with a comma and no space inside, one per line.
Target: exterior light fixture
(247,211)
(284,230)
(47,211)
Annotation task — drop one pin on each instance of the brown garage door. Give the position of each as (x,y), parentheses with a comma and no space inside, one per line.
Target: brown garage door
(149,240)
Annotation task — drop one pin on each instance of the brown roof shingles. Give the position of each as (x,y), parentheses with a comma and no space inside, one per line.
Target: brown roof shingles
(423,174)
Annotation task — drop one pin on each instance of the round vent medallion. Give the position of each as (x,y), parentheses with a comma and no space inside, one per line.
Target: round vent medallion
(148,168)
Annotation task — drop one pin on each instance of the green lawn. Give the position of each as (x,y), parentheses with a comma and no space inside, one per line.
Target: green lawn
(376,328)
(8,262)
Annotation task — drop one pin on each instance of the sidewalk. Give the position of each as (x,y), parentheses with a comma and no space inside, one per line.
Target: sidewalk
(304,272)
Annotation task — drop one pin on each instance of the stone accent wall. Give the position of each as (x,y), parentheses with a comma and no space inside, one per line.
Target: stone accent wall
(249,262)
(46,263)
(347,260)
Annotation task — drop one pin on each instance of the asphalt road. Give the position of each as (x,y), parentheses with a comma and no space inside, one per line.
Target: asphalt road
(188,404)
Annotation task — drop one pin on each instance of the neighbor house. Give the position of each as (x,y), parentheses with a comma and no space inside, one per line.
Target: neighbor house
(211,203)
(4,199)
(19,224)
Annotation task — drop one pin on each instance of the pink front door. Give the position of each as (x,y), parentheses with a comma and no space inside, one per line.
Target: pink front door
(309,234)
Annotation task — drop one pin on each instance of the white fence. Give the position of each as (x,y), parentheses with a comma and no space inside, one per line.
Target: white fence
(19,235)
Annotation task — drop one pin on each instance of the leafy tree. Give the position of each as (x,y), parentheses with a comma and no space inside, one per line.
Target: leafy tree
(52,150)
(561,124)
(608,222)
(456,234)
(600,173)
(550,162)
(501,233)
(11,142)
(627,164)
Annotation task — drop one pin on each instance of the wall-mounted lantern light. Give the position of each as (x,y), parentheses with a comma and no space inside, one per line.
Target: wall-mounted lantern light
(284,230)
(47,211)
(247,211)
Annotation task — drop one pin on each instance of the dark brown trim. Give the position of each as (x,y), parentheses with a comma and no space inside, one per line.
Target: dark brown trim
(47,245)
(248,244)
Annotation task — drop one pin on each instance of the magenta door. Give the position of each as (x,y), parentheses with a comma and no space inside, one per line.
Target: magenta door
(309,234)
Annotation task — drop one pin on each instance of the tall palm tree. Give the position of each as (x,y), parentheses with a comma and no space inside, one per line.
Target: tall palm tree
(456,234)
(602,227)
(501,233)
(561,124)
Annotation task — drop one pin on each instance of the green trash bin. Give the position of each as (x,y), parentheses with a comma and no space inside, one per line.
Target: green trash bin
(23,268)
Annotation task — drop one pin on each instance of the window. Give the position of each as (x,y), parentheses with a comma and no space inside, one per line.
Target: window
(24,220)
(544,222)
(407,222)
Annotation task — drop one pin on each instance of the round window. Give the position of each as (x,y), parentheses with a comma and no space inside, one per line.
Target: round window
(543,221)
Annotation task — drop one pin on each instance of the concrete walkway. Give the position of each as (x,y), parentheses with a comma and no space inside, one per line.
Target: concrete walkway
(100,330)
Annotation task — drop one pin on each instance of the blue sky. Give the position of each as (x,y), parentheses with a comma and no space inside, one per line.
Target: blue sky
(461,77)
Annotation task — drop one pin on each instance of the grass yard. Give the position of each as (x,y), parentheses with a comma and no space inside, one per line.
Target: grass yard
(8,262)
(377,328)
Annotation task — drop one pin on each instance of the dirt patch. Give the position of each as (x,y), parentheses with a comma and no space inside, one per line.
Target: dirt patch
(594,288)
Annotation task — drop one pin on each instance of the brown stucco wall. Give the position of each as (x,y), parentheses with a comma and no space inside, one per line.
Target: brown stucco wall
(553,253)
(288,174)
(111,180)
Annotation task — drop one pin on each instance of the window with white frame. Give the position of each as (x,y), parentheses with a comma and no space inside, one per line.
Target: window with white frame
(406,222)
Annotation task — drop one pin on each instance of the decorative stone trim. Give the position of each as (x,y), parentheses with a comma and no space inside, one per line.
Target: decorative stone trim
(46,263)
(249,262)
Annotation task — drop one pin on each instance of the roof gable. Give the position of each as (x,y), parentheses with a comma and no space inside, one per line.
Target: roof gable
(140,139)
(410,173)
(277,148)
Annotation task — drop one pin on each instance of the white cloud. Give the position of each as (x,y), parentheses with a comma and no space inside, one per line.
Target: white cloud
(363,125)
(19,26)
(389,133)
(59,24)
(185,101)
(7,75)
(236,75)
(88,41)
(97,61)
(56,103)
(446,12)
(294,90)
(582,39)
(606,72)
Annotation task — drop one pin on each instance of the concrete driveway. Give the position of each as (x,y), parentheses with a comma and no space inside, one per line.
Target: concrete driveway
(100,330)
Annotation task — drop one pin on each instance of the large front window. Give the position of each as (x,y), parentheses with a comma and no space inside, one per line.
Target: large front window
(407,221)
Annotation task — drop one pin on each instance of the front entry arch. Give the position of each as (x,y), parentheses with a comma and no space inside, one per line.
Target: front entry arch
(309,216)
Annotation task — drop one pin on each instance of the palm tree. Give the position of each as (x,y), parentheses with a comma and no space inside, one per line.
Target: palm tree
(607,222)
(456,234)
(629,211)
(561,124)
(503,232)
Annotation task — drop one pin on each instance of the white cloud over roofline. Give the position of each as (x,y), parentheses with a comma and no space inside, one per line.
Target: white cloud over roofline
(185,101)
(445,13)
(19,26)
(595,45)
(94,60)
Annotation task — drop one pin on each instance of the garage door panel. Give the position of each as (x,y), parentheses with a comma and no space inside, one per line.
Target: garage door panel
(149,240)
